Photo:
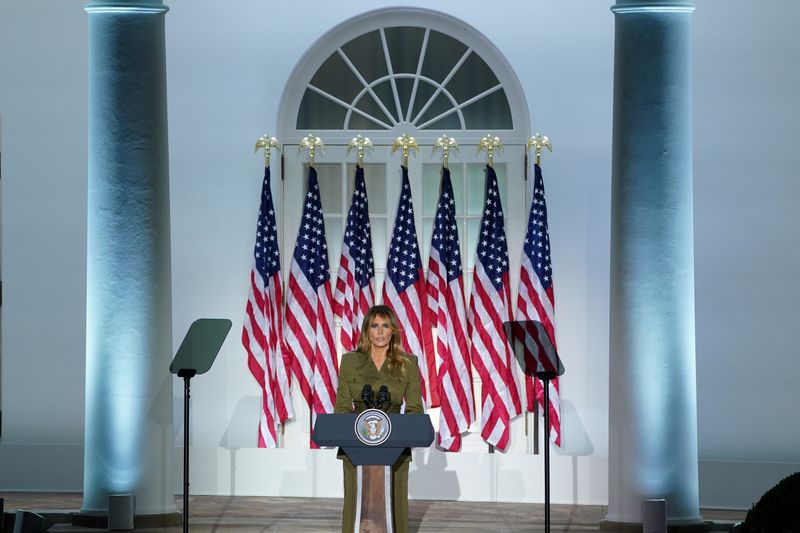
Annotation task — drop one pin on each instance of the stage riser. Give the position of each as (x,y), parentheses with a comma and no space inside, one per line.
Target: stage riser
(434,475)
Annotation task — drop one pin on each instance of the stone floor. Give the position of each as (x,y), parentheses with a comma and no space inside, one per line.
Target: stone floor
(245,514)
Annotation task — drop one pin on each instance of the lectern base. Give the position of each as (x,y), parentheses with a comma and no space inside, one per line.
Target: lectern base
(374,499)
(397,493)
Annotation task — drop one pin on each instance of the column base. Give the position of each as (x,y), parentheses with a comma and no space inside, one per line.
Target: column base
(141,521)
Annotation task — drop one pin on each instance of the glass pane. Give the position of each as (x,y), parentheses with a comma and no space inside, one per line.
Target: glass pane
(472,78)
(366,54)
(318,112)
(441,55)
(336,78)
(424,93)
(473,228)
(476,186)
(358,122)
(404,88)
(334,233)
(440,104)
(379,240)
(490,113)
(368,105)
(384,92)
(500,170)
(375,178)
(405,45)
(449,122)
(431,179)
(330,188)
(457,177)
(476,183)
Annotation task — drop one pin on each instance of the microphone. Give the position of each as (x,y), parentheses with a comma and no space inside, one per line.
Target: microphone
(367,396)
(384,398)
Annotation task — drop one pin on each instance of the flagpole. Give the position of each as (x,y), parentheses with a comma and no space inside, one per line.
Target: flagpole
(538,142)
(546,385)
(267,142)
(490,143)
(450,333)
(311,143)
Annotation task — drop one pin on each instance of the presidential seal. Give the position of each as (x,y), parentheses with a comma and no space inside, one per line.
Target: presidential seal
(373,427)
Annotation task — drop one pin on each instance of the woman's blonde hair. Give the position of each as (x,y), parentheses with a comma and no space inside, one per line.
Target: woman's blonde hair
(395,355)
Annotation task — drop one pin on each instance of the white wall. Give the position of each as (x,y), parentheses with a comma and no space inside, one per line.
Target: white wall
(747,131)
(227,65)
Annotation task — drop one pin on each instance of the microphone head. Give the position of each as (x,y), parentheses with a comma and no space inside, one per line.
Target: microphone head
(367,395)
(383,394)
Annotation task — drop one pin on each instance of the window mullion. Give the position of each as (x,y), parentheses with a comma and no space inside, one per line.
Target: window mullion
(417,75)
(392,80)
(366,85)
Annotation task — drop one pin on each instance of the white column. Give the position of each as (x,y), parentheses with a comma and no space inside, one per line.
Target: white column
(652,397)
(128,439)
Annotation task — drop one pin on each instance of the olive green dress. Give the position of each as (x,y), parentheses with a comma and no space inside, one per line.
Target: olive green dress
(356,370)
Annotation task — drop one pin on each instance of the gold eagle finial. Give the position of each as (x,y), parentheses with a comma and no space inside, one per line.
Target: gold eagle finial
(360,143)
(445,144)
(267,143)
(490,143)
(538,142)
(407,143)
(311,142)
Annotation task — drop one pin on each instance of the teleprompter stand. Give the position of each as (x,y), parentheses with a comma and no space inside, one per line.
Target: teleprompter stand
(374,461)
(195,356)
(537,357)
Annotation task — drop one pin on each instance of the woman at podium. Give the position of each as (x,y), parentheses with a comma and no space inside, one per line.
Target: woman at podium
(378,361)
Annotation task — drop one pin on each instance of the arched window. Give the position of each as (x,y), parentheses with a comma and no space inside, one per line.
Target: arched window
(405,74)
(410,70)
(395,71)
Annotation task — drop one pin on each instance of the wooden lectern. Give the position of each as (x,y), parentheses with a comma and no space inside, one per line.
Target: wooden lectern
(373,441)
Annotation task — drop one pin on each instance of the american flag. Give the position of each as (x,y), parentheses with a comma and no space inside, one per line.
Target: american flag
(490,307)
(309,311)
(354,287)
(536,300)
(262,331)
(445,288)
(404,289)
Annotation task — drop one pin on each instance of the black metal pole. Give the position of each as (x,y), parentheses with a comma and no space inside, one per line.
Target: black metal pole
(186,454)
(186,374)
(546,385)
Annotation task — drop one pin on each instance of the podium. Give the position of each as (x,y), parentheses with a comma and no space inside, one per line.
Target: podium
(373,441)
